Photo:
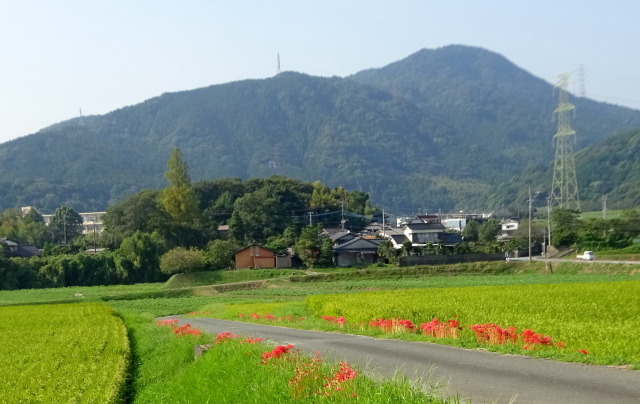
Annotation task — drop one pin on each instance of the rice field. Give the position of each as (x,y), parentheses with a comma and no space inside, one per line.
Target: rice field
(600,318)
(62,353)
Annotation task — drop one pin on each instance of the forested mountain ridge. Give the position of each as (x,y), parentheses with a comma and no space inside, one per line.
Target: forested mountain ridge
(439,129)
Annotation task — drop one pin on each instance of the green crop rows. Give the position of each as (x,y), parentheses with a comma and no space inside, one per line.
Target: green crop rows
(62,353)
(601,318)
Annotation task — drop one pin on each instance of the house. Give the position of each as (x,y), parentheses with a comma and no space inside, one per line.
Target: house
(426,229)
(255,256)
(455,224)
(17,250)
(358,251)
(422,233)
(342,237)
(508,229)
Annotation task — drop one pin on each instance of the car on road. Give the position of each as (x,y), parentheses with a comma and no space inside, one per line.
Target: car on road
(587,256)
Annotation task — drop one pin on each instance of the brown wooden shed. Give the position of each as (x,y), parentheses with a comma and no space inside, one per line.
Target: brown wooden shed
(255,256)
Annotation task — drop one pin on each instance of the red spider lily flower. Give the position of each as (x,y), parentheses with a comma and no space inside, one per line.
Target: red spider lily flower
(168,323)
(332,319)
(494,334)
(269,317)
(393,325)
(582,351)
(186,330)
(276,353)
(255,315)
(440,329)
(241,315)
(251,340)
(226,335)
(345,372)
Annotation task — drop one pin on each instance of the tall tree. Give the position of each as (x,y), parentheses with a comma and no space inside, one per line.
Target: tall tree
(179,199)
(138,258)
(565,224)
(314,250)
(137,212)
(66,224)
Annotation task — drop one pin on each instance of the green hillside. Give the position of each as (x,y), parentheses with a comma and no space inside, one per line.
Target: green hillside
(441,129)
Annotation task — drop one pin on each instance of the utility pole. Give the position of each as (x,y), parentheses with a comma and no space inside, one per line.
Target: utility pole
(549,220)
(342,221)
(604,206)
(530,201)
(94,236)
(310,220)
(383,224)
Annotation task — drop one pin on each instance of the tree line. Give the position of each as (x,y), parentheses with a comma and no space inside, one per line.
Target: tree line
(155,233)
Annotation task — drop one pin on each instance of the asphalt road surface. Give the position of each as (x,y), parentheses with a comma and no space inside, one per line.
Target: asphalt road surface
(575,260)
(476,376)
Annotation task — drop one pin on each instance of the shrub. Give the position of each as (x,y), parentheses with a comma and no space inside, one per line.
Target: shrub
(182,260)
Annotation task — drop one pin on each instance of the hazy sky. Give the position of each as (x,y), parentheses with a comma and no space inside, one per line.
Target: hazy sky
(60,56)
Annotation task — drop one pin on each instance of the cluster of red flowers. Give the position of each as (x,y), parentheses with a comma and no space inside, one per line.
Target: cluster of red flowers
(441,329)
(333,319)
(531,340)
(276,352)
(345,372)
(226,336)
(309,380)
(271,317)
(489,333)
(168,323)
(186,330)
(251,340)
(493,334)
(182,330)
(393,325)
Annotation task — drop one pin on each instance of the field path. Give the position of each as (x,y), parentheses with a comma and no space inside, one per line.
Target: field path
(479,376)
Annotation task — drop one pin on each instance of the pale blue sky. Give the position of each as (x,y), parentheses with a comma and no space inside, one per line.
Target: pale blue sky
(60,56)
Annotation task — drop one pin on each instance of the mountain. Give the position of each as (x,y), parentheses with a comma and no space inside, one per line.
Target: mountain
(613,169)
(440,129)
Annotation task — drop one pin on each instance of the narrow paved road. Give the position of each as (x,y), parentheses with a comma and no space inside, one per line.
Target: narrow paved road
(575,260)
(478,376)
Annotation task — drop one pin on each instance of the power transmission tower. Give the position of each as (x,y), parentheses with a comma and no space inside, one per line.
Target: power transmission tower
(564,188)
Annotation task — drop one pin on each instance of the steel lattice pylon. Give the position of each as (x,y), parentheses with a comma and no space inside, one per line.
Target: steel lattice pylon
(564,188)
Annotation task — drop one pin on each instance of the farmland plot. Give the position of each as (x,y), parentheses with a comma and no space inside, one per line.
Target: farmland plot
(597,320)
(65,353)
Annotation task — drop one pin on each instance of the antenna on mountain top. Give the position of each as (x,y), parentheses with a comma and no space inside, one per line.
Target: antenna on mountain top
(278,70)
